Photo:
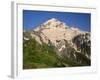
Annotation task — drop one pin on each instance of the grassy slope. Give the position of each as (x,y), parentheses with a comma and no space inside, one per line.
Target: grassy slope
(42,56)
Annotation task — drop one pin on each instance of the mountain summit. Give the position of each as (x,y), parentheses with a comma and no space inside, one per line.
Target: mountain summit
(54,29)
(69,42)
(52,23)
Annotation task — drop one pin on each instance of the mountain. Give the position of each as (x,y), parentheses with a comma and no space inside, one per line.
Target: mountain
(70,43)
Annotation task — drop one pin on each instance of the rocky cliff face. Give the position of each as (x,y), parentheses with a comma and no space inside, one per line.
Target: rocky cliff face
(70,43)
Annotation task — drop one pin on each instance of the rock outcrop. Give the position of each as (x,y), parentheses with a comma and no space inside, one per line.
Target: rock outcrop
(70,43)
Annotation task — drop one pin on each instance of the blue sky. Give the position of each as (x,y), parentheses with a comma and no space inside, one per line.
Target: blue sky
(32,19)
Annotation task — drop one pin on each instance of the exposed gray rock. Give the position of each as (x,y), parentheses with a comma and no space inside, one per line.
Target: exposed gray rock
(70,43)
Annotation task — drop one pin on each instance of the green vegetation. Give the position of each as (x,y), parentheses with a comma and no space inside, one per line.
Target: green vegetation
(36,55)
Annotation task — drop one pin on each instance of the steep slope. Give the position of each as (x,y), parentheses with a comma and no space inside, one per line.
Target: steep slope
(70,43)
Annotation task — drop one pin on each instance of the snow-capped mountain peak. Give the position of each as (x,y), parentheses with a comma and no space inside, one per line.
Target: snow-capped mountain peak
(64,38)
(53,23)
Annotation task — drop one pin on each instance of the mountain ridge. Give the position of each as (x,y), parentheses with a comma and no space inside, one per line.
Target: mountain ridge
(68,41)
